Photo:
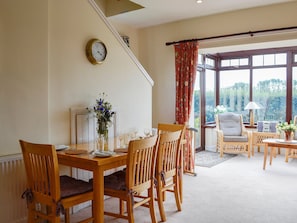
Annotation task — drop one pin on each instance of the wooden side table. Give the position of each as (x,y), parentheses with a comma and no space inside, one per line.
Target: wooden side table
(258,137)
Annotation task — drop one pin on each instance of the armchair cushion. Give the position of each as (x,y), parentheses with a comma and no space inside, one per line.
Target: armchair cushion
(235,138)
(230,124)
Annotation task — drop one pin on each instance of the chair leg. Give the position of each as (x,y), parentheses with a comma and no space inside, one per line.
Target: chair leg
(160,200)
(31,211)
(221,152)
(176,194)
(249,152)
(130,208)
(151,205)
(180,185)
(122,206)
(67,216)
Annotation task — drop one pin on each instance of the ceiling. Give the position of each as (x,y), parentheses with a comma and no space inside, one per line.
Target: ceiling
(156,12)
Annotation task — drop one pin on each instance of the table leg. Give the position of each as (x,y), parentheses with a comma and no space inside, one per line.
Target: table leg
(287,155)
(98,206)
(265,156)
(271,154)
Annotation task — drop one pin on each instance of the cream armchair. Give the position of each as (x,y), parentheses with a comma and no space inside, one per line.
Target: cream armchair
(231,134)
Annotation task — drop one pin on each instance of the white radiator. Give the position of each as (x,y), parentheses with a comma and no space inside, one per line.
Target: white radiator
(12,184)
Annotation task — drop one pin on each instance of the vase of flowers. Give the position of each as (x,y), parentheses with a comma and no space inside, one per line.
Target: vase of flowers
(103,113)
(288,129)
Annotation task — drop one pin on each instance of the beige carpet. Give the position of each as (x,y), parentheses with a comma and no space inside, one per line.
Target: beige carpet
(235,191)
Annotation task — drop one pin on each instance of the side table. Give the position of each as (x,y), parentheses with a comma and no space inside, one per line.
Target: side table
(258,137)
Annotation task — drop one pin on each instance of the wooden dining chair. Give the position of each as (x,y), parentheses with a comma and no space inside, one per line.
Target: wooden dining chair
(48,194)
(167,169)
(134,185)
(166,127)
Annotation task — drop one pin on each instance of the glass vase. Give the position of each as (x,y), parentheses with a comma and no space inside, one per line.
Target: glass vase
(288,136)
(100,143)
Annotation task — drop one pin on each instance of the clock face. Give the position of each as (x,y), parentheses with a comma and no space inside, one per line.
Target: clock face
(96,51)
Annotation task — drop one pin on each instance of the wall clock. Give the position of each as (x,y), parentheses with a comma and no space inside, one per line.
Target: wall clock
(96,51)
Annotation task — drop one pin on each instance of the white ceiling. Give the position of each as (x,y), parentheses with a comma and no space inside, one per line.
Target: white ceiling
(157,12)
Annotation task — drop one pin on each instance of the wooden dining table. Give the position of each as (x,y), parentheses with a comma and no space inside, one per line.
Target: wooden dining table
(97,165)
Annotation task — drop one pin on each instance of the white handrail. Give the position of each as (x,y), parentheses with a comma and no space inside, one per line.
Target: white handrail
(119,38)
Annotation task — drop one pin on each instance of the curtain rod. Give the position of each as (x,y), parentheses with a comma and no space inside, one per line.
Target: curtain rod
(251,33)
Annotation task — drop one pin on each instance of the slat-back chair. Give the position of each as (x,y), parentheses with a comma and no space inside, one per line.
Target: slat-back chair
(167,171)
(48,195)
(165,127)
(135,184)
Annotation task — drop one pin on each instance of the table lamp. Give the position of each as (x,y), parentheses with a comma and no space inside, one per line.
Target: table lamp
(252,106)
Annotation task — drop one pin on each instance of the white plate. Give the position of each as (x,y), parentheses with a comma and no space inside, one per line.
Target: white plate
(283,141)
(103,153)
(61,147)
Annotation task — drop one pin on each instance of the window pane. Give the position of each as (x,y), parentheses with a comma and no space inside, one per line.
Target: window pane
(244,62)
(209,62)
(258,60)
(235,62)
(199,59)
(294,101)
(225,63)
(234,88)
(280,58)
(209,95)
(269,91)
(195,113)
(295,58)
(269,59)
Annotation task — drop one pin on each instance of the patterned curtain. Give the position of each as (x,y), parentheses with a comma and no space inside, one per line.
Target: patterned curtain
(186,56)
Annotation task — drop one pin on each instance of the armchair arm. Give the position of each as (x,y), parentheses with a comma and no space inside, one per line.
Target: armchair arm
(220,135)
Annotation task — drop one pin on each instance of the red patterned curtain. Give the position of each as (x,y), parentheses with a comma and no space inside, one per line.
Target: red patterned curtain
(186,56)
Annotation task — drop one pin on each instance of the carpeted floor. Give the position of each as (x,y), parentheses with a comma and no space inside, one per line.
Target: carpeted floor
(210,159)
(235,191)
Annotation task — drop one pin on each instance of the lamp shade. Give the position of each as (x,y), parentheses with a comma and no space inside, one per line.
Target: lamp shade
(252,105)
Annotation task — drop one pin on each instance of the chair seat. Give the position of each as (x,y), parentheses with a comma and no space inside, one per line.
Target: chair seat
(235,139)
(71,186)
(115,181)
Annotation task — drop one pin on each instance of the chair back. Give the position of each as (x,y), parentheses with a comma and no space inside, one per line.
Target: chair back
(165,127)
(168,154)
(141,163)
(230,123)
(41,164)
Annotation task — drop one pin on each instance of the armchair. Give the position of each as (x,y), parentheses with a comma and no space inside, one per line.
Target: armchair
(232,135)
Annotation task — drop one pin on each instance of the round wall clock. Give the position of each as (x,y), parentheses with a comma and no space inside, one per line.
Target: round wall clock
(96,51)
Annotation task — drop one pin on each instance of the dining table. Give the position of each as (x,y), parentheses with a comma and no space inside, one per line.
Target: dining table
(80,156)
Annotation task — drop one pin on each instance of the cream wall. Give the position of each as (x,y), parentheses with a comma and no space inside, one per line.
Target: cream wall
(158,59)
(23,73)
(44,72)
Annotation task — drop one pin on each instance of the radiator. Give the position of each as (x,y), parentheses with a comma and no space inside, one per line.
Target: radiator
(12,184)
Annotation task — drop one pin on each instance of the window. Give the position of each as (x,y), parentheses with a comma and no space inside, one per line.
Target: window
(233,79)
(234,85)
(265,76)
(269,91)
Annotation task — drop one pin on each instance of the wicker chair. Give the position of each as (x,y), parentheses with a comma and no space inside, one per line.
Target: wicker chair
(49,194)
(231,134)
